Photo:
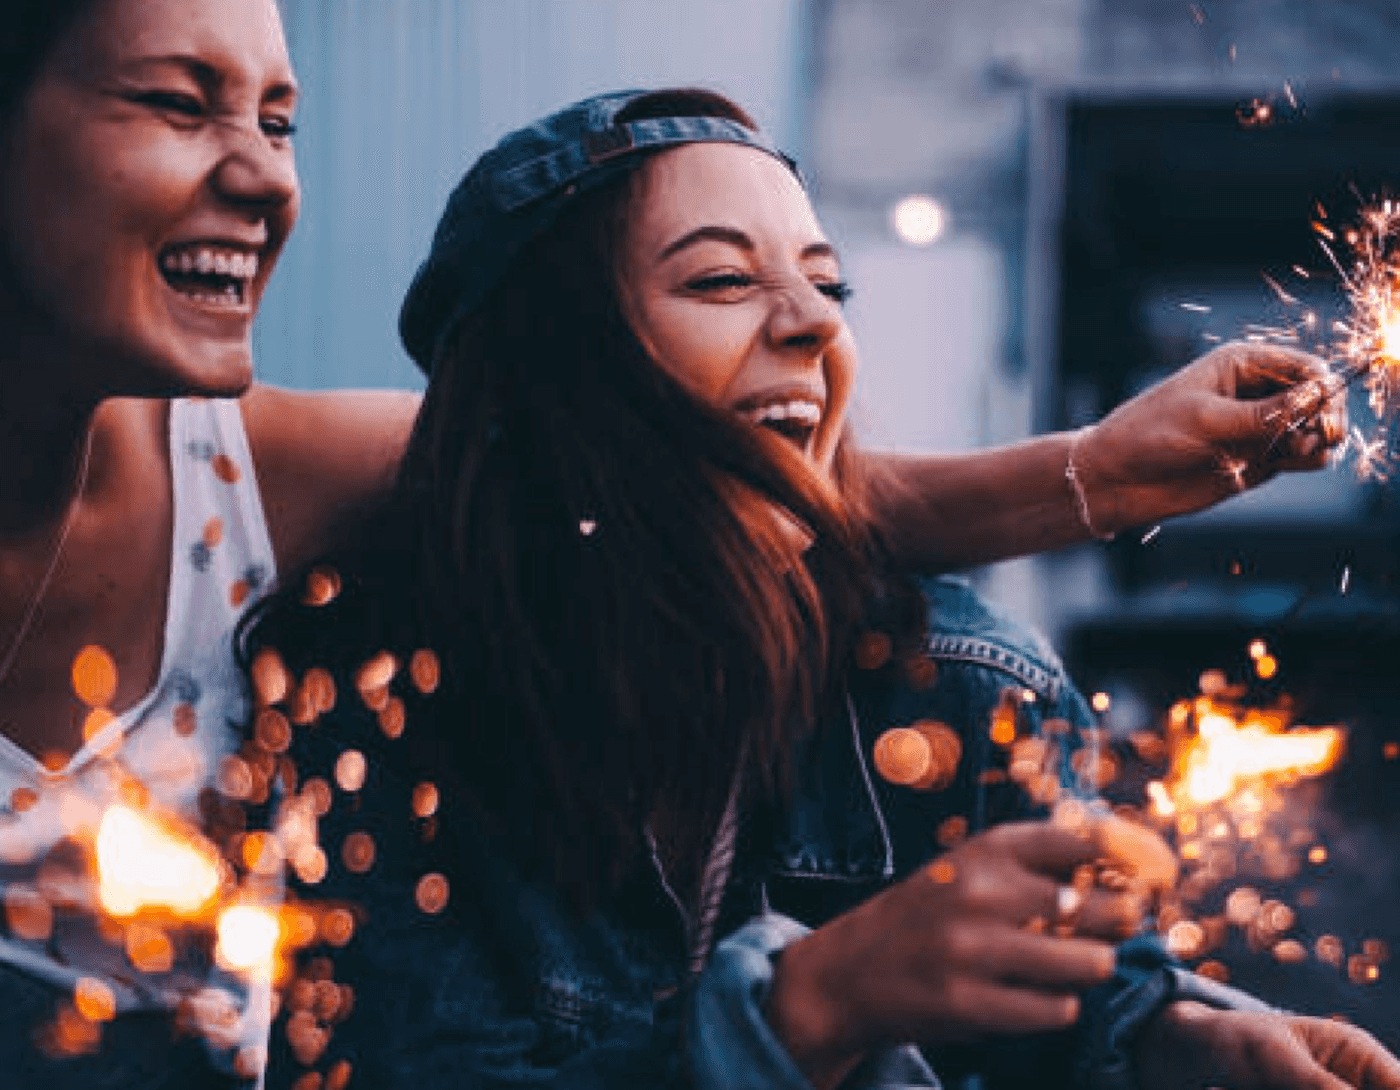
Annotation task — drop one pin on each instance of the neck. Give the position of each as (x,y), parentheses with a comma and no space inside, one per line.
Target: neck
(43,438)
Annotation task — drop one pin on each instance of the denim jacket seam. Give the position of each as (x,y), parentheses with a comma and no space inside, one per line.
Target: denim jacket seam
(1046,681)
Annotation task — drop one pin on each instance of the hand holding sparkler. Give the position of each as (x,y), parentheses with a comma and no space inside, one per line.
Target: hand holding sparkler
(997,936)
(1225,423)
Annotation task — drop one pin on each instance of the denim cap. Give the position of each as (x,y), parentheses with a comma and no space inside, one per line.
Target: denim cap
(515,191)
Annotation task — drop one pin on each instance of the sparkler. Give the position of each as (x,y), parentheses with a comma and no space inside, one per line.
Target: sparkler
(1365,345)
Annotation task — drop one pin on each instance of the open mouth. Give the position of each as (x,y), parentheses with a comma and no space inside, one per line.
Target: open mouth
(795,420)
(210,275)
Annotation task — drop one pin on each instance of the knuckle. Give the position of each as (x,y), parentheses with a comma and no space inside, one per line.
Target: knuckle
(979,884)
(962,944)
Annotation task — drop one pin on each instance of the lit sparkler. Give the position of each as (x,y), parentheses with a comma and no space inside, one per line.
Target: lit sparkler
(1365,345)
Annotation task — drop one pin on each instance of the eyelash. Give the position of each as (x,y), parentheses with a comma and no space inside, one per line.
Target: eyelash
(838,291)
(275,128)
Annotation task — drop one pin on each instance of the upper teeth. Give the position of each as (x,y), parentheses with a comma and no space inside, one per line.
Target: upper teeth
(808,412)
(212,259)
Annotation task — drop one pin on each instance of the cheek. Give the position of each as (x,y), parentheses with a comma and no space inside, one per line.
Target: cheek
(702,348)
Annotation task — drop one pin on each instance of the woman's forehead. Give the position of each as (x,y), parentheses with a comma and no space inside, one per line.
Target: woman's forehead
(127,31)
(718,184)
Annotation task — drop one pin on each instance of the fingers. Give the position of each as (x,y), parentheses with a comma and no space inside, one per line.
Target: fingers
(1259,370)
(1349,1052)
(1101,914)
(985,1007)
(1016,897)
(1048,962)
(1057,849)
(1043,847)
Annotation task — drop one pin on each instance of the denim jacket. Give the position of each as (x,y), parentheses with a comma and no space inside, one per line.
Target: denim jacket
(504,987)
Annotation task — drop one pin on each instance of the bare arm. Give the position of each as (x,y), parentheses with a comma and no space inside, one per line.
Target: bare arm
(323,458)
(1209,431)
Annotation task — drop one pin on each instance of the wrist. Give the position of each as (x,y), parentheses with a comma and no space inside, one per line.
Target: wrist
(1088,501)
(804,1020)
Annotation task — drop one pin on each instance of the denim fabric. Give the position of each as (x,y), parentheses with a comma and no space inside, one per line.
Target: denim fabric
(140,1051)
(507,988)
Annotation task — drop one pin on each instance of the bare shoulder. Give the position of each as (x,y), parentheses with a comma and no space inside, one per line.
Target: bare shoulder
(323,457)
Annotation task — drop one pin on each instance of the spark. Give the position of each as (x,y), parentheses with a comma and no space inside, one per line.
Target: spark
(1152,533)
(1277,289)
(1199,308)
(1346,579)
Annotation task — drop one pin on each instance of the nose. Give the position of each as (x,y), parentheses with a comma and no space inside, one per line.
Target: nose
(803,319)
(256,173)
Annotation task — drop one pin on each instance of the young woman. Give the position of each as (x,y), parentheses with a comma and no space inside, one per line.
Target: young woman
(147,186)
(627,567)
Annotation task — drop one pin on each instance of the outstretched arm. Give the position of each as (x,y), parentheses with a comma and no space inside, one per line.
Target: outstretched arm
(1215,428)
(323,459)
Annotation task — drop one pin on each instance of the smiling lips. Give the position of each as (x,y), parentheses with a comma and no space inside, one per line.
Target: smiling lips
(209,274)
(795,419)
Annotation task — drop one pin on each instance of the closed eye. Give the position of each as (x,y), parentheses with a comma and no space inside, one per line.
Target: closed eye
(172,102)
(837,290)
(720,282)
(278,128)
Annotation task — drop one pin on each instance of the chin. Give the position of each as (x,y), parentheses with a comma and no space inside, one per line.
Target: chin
(191,371)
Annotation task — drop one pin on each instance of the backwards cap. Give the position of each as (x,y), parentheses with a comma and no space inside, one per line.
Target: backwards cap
(515,191)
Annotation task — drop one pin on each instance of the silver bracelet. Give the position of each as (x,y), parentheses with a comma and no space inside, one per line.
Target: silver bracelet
(1076,486)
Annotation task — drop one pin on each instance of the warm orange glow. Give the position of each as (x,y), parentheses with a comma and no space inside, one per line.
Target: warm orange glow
(94,676)
(1266,666)
(1161,800)
(248,936)
(142,865)
(1225,756)
(1389,332)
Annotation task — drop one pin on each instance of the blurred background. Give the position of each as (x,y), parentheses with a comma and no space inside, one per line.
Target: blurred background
(1043,205)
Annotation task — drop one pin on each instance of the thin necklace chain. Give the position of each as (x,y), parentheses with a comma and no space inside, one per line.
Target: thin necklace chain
(68,519)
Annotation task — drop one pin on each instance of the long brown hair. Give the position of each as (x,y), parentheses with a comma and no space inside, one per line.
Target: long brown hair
(599,559)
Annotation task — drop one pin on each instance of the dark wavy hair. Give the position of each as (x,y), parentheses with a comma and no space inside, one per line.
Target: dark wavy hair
(30,31)
(598,559)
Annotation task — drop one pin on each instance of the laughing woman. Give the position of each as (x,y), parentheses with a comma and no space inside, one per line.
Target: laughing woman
(147,186)
(629,561)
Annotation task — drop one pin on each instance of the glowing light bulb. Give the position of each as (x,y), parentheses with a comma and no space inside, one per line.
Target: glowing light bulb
(919,219)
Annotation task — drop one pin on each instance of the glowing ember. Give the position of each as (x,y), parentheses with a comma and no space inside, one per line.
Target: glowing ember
(142,865)
(248,937)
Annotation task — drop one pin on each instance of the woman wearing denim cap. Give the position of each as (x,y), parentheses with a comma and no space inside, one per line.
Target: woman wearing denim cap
(631,526)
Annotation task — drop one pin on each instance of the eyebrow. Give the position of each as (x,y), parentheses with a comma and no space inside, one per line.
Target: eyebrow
(735,237)
(208,75)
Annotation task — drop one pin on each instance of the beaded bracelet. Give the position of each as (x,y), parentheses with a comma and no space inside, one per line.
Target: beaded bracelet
(1081,499)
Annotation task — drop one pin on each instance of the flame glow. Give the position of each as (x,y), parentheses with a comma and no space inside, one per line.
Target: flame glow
(1226,756)
(248,938)
(141,865)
